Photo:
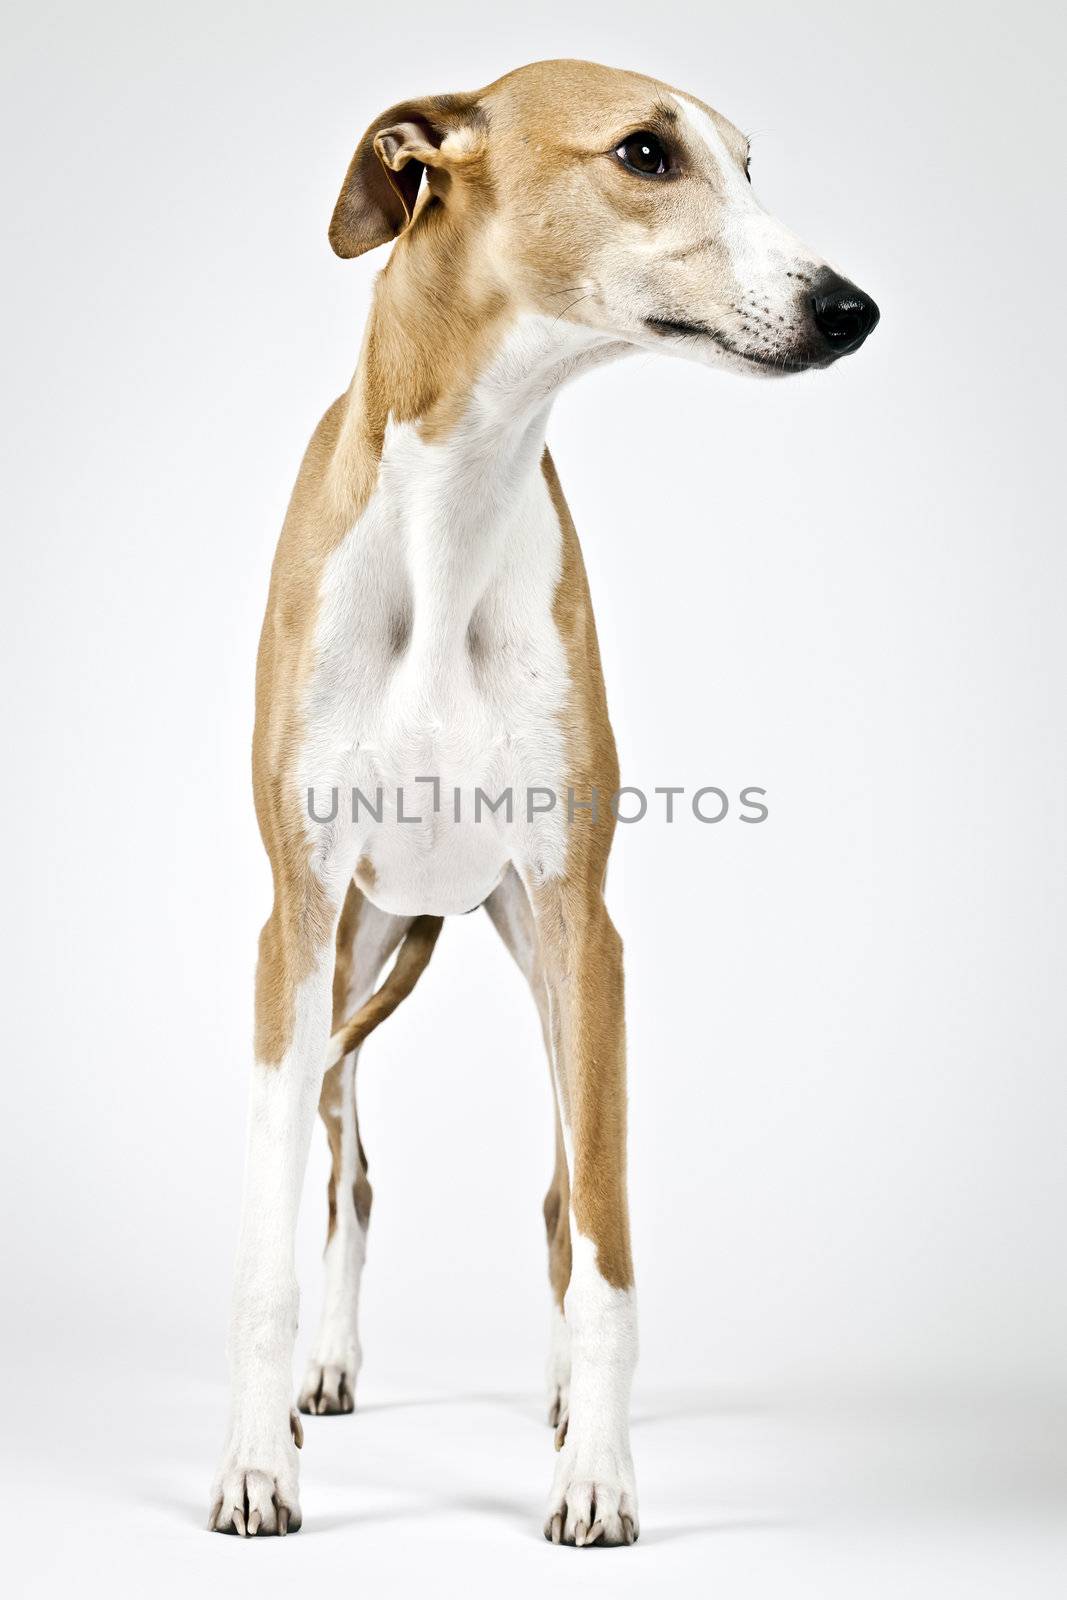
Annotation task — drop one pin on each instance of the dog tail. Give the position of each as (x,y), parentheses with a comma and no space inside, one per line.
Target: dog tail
(411,962)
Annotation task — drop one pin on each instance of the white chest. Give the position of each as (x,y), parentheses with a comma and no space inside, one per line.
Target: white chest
(439,676)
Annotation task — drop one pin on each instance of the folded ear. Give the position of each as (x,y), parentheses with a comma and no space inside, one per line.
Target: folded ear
(377,198)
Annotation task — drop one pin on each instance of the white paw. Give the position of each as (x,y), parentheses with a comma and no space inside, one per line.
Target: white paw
(594,1497)
(329,1388)
(257,1487)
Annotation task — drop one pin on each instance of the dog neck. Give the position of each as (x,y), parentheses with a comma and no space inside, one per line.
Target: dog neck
(451,362)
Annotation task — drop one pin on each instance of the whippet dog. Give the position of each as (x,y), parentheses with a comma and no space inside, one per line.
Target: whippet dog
(429,624)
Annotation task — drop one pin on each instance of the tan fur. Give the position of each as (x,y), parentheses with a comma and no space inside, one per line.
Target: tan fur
(410,368)
(509,220)
(582,952)
(301,920)
(433,326)
(330,1094)
(566,216)
(412,958)
(511,164)
(535,210)
(438,314)
(579,958)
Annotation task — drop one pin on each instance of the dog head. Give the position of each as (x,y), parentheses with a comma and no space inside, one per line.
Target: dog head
(610,200)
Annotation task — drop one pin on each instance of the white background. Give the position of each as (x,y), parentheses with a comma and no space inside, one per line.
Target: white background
(846,1026)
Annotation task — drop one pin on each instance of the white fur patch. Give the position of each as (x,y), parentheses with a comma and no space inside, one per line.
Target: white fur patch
(437,656)
(595,1468)
(762,249)
(259,1459)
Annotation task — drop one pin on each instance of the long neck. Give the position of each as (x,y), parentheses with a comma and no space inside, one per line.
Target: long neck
(451,401)
(448,349)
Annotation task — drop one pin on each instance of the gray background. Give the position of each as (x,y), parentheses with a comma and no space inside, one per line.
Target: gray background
(846,1026)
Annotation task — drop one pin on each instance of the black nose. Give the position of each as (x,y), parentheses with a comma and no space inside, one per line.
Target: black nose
(844,315)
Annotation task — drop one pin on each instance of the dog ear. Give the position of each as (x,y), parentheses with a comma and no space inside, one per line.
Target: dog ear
(377,199)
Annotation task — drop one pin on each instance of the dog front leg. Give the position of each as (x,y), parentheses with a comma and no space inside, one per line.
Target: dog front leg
(594,1495)
(256,1486)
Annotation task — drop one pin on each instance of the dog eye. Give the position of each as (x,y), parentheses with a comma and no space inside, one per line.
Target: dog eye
(644,154)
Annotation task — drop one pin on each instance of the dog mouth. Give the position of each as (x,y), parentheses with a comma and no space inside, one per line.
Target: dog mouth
(769,361)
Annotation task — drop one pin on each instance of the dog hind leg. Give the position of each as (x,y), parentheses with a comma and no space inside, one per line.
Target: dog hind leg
(509,909)
(366,938)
